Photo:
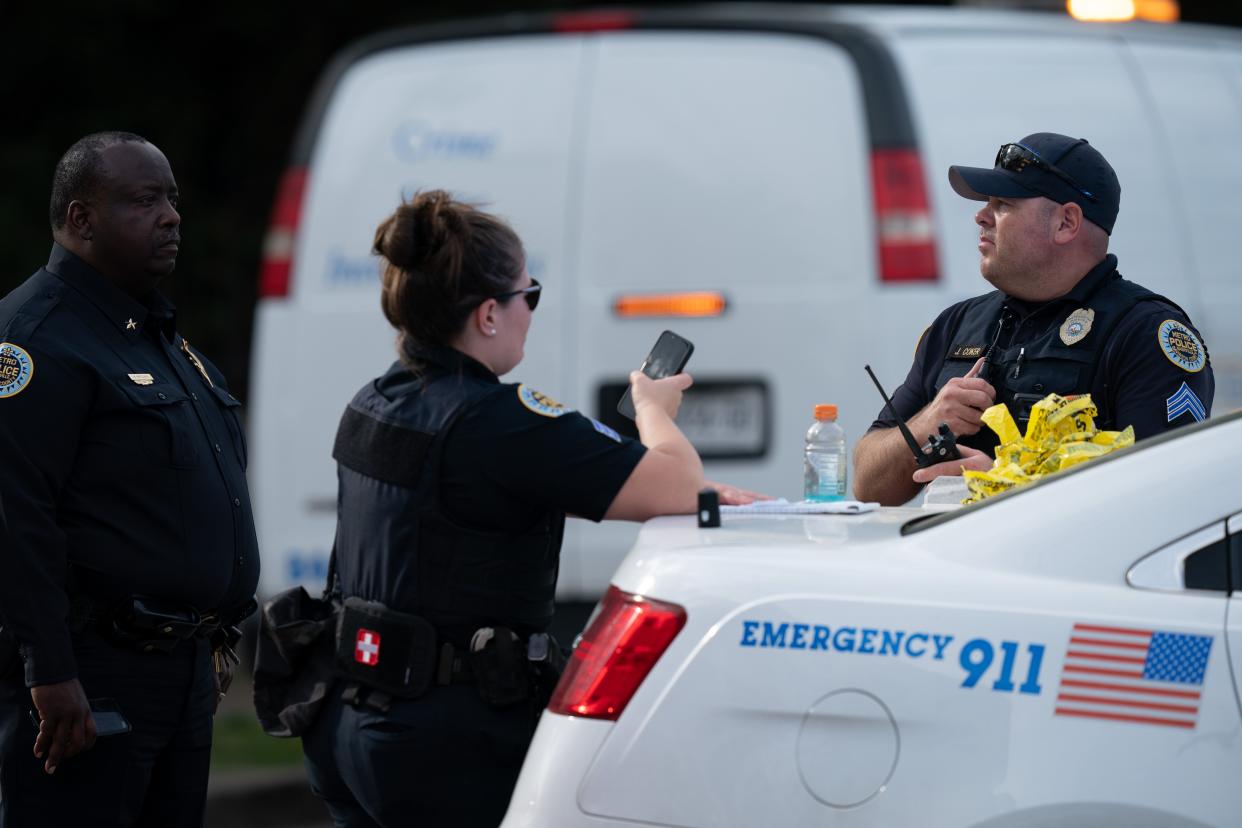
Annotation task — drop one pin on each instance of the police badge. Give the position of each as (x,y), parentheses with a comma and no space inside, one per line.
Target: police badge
(1077,325)
(195,361)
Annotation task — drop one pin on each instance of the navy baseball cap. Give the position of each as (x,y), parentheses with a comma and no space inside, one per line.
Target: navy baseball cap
(1046,164)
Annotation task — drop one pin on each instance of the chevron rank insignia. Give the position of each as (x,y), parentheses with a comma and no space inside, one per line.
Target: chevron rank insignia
(1185,401)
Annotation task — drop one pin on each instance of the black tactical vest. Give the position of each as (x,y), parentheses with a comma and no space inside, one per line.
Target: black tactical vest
(395,542)
(1027,362)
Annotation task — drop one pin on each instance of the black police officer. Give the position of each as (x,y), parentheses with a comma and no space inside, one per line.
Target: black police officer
(453,493)
(1062,320)
(129,542)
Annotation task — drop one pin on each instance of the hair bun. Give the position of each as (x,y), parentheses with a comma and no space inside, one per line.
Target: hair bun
(443,257)
(419,226)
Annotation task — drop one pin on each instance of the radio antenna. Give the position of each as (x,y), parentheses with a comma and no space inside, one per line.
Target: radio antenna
(905,432)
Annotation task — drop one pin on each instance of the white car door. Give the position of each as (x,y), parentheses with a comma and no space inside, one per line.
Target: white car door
(1233,616)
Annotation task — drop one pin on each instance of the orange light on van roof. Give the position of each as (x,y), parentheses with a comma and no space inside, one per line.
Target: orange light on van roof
(1159,11)
(694,303)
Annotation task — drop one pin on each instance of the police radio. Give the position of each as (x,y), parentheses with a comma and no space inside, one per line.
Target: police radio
(939,448)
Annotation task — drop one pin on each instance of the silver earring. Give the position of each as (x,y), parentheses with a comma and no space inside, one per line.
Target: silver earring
(492,332)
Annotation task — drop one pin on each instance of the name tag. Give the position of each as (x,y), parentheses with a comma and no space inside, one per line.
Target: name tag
(966,352)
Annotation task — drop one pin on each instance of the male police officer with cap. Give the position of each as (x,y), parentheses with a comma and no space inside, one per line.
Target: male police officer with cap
(128,546)
(1061,320)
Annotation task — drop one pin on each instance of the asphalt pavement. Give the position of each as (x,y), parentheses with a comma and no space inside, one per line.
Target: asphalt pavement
(263,798)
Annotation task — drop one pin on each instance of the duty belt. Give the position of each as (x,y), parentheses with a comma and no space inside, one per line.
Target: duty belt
(143,623)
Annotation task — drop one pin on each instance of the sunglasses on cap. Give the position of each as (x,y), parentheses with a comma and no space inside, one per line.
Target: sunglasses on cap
(530,294)
(1016,158)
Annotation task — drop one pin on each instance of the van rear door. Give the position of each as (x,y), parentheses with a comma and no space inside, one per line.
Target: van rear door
(1163,104)
(1204,182)
(735,162)
(490,120)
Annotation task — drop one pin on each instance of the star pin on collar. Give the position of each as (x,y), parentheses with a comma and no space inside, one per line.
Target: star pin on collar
(131,325)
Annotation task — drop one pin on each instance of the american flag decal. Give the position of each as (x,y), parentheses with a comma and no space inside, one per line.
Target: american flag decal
(1130,675)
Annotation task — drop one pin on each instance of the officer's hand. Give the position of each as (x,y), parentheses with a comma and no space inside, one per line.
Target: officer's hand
(971,459)
(663,393)
(734,496)
(66,727)
(960,403)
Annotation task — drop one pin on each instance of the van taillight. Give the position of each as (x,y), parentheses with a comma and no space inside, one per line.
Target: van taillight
(904,231)
(620,646)
(282,230)
(592,21)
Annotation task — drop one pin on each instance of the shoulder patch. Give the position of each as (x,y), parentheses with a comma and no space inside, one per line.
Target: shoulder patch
(16,369)
(1181,346)
(605,430)
(922,336)
(541,403)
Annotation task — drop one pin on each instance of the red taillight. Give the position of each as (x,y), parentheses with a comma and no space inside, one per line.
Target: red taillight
(903,217)
(618,649)
(592,21)
(282,231)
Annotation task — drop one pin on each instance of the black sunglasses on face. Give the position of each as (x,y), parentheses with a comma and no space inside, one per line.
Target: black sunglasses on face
(1016,158)
(530,294)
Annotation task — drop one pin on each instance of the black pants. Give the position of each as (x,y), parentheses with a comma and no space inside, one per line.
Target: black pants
(445,759)
(155,775)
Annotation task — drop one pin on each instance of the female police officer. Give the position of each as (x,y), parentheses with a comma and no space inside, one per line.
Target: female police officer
(453,493)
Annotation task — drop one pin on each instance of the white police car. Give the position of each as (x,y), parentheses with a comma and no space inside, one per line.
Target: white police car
(1067,654)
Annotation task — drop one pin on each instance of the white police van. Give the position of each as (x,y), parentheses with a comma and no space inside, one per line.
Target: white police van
(769,181)
(1063,655)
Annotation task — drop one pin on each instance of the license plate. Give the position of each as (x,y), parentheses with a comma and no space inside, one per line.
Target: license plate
(726,420)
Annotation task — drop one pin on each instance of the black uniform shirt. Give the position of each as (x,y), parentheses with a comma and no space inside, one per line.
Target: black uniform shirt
(519,454)
(124,462)
(1136,379)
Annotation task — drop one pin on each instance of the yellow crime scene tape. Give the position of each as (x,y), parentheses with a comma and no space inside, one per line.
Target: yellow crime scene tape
(1061,433)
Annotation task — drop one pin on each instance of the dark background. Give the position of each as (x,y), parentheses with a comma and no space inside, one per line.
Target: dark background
(220,88)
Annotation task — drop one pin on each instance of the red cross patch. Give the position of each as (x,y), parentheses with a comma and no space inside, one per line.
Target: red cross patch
(367,647)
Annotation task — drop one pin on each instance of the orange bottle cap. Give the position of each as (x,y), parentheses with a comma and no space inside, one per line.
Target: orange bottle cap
(825,412)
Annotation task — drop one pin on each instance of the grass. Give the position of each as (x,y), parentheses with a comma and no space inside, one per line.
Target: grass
(239,742)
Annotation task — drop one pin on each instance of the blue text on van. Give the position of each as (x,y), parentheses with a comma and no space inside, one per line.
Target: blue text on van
(415,141)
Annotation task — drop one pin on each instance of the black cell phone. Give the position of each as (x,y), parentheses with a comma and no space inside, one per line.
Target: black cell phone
(109,720)
(668,356)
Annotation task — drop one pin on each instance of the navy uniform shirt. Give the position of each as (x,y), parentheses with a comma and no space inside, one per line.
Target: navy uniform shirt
(1139,380)
(519,453)
(124,462)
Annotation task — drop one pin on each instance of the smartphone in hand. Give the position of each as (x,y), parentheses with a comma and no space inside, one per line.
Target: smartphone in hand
(109,720)
(668,356)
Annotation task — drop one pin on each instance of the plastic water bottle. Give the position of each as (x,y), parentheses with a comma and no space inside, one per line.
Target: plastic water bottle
(825,465)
